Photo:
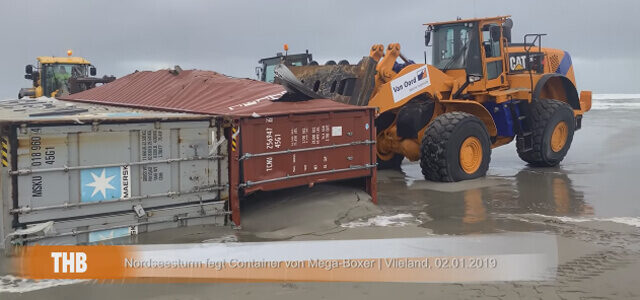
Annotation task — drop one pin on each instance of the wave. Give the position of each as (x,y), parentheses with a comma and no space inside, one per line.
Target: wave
(631,221)
(398,220)
(616,97)
(615,101)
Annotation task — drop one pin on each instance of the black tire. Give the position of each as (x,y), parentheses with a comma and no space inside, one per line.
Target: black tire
(545,114)
(440,149)
(392,164)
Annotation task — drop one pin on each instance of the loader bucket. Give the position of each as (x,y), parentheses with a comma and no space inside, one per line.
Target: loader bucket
(350,84)
(79,84)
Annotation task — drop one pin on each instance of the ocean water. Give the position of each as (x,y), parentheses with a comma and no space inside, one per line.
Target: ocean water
(615,101)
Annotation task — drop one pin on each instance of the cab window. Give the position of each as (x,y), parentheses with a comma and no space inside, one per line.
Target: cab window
(56,76)
(491,45)
(450,46)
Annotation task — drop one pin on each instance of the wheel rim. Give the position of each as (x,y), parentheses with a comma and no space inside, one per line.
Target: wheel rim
(559,136)
(471,155)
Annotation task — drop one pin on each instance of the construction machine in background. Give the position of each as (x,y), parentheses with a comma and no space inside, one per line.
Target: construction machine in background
(58,76)
(265,71)
(480,92)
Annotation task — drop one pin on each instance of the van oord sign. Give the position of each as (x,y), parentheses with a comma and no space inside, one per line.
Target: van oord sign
(407,84)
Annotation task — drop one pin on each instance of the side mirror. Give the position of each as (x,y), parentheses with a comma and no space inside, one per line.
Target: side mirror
(258,72)
(28,76)
(28,69)
(93,71)
(427,37)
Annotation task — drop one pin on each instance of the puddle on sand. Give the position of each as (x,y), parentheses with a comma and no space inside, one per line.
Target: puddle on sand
(471,207)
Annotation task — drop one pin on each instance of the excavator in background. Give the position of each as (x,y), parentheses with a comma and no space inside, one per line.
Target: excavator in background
(58,76)
(480,92)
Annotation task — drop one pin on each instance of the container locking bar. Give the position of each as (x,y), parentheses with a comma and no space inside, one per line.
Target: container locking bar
(76,232)
(27,209)
(249,155)
(352,168)
(135,163)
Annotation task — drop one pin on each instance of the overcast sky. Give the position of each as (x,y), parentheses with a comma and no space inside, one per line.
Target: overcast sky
(120,36)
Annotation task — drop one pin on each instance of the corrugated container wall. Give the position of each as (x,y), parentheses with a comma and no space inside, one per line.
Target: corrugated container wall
(87,173)
(302,149)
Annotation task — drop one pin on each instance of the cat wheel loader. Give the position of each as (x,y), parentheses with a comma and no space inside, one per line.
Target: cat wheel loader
(58,76)
(480,92)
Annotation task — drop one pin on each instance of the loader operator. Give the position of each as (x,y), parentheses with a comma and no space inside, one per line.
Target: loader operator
(62,80)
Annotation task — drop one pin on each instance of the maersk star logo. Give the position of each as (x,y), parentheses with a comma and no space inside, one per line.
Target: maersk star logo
(101,184)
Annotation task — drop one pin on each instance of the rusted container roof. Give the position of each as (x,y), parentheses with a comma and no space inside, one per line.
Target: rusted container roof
(198,91)
(53,111)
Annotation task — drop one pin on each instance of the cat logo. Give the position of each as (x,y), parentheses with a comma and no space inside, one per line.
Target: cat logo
(517,63)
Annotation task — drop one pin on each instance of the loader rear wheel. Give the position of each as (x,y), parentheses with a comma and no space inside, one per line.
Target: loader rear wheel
(391,164)
(552,128)
(456,146)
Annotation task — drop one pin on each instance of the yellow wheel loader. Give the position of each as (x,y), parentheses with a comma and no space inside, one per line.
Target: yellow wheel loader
(480,92)
(57,76)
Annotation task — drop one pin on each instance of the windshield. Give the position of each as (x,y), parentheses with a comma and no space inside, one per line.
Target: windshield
(56,76)
(450,47)
(270,65)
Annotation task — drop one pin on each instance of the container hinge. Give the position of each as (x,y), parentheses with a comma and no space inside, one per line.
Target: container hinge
(139,210)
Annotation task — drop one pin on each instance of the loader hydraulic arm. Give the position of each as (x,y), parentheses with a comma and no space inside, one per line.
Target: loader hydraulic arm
(384,69)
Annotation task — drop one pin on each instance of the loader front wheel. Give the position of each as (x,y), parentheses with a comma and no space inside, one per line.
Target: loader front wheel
(456,146)
(552,128)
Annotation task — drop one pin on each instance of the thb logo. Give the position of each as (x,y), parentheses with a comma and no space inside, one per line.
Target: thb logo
(72,262)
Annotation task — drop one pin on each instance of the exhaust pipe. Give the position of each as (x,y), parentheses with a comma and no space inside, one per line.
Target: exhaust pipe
(506,29)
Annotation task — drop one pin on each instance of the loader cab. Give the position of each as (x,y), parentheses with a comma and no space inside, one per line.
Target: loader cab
(55,77)
(470,49)
(52,74)
(265,72)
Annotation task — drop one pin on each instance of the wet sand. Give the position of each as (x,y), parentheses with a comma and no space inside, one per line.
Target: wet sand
(589,204)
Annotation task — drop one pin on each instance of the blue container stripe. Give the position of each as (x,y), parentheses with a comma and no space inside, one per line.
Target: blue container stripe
(108,234)
(565,64)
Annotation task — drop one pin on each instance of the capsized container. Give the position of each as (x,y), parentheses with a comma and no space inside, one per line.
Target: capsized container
(83,167)
(283,149)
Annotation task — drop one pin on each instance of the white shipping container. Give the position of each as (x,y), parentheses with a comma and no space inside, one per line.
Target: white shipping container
(73,164)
